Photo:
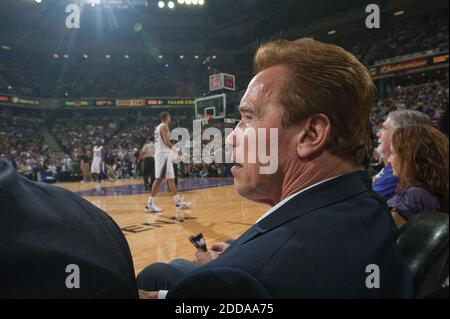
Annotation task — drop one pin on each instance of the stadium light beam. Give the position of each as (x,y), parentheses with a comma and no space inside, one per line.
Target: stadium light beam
(93,2)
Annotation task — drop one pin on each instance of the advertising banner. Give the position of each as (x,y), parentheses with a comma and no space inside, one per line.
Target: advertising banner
(171,102)
(77,103)
(130,102)
(105,103)
(4,99)
(25,101)
(403,66)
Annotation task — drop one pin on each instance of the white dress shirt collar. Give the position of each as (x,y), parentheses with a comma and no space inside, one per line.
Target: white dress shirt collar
(284,201)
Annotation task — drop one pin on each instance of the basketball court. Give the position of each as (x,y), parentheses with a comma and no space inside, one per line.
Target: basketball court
(218,212)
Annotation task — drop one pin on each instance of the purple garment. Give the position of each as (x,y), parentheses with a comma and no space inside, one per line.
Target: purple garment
(414,200)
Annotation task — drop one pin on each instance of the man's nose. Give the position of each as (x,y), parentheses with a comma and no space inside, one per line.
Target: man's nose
(231,139)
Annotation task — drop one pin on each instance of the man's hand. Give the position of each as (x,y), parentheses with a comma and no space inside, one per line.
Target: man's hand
(148,294)
(202,258)
(220,247)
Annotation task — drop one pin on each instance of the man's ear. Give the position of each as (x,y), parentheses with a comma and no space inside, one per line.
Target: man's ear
(314,135)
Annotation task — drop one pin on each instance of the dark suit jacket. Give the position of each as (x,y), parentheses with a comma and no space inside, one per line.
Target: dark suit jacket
(317,245)
(43,229)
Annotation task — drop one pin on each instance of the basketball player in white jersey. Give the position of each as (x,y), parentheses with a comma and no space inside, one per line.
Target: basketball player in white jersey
(97,163)
(164,165)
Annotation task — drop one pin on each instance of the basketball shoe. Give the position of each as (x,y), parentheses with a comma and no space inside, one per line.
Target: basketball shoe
(180,203)
(151,206)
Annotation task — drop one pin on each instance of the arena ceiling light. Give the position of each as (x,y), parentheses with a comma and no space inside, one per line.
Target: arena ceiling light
(331,32)
(55,55)
(196,57)
(85,56)
(126,56)
(399,13)
(160,56)
(66,56)
(38,1)
(182,57)
(161,4)
(191,2)
(6,47)
(108,56)
(171,4)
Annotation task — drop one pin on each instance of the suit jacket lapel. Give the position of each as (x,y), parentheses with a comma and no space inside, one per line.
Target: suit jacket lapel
(253,232)
(322,195)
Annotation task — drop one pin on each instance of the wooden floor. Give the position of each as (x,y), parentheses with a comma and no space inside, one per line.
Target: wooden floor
(219,213)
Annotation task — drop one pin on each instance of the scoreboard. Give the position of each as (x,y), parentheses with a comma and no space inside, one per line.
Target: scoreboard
(222,81)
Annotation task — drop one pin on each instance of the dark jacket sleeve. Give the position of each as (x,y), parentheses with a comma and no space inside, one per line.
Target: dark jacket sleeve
(414,201)
(44,229)
(219,283)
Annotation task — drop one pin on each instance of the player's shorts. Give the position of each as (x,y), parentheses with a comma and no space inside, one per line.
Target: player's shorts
(164,165)
(96,166)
